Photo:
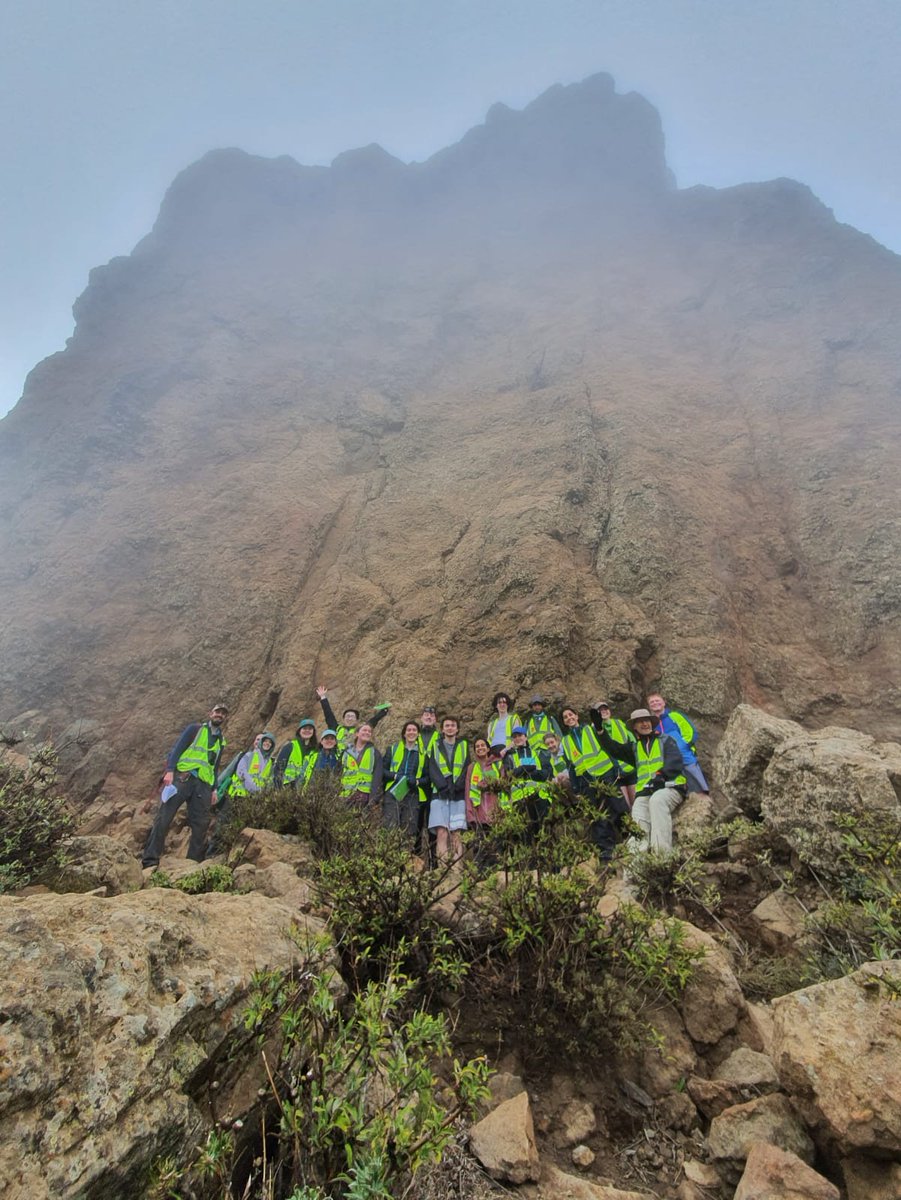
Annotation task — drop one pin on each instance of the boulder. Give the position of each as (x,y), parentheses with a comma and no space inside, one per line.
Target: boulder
(694,815)
(774,1174)
(766,1119)
(837,1048)
(262,848)
(502,1086)
(504,1141)
(712,1003)
(702,1174)
(755,1028)
(871,1179)
(744,753)
(814,778)
(748,1069)
(116,1013)
(780,920)
(558,1185)
(98,861)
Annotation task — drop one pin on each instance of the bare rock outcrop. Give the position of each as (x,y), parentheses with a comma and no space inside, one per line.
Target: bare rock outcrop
(767,1119)
(115,1011)
(814,779)
(744,753)
(98,861)
(774,1174)
(837,1048)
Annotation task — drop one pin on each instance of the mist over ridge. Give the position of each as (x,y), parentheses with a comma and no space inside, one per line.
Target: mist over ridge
(522,414)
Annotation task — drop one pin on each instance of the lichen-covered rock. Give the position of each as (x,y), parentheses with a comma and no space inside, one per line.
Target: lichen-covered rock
(837,1048)
(815,779)
(577,1122)
(504,1141)
(744,753)
(114,1009)
(97,861)
(774,1174)
(766,1119)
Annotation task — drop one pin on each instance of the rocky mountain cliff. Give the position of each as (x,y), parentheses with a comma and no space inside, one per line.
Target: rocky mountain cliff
(521,415)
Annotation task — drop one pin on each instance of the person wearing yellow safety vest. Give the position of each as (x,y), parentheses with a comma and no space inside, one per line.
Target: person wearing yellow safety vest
(561,774)
(678,726)
(290,765)
(602,718)
(403,770)
(254,769)
(500,727)
(447,770)
(594,773)
(525,772)
(538,724)
(482,778)
(425,841)
(346,731)
(361,769)
(659,778)
(191,770)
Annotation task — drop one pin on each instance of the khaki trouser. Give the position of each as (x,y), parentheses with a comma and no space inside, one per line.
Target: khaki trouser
(654,814)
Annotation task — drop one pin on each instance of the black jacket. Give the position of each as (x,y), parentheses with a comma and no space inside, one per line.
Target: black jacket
(626,752)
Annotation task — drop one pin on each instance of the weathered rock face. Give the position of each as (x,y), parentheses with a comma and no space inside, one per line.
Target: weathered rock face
(744,753)
(815,779)
(522,414)
(767,1119)
(837,1048)
(111,1009)
(774,1174)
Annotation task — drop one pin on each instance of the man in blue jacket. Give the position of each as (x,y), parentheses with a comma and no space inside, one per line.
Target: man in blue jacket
(677,726)
(191,768)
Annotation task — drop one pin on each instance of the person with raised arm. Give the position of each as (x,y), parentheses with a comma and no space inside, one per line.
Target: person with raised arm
(346,729)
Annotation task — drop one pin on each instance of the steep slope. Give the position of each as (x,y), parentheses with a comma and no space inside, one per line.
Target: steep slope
(524,414)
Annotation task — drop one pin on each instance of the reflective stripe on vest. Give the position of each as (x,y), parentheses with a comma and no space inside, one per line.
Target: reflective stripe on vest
(201,755)
(520,789)
(397,758)
(356,776)
(479,775)
(585,752)
(453,770)
(514,719)
(296,764)
(685,727)
(650,763)
(618,732)
(259,770)
(536,728)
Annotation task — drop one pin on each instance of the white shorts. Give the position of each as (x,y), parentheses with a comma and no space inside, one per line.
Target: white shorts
(447,814)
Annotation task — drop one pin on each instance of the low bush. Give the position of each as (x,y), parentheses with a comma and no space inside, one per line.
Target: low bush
(213,878)
(34,820)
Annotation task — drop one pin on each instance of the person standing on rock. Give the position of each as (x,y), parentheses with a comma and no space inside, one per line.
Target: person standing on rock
(425,841)
(292,765)
(326,759)
(191,768)
(361,772)
(347,729)
(594,774)
(447,768)
(402,776)
(526,772)
(659,778)
(677,726)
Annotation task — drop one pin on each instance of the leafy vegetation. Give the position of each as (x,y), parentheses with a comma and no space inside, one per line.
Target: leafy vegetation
(212,878)
(34,819)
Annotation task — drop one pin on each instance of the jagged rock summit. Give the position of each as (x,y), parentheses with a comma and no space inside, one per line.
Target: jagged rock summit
(523,414)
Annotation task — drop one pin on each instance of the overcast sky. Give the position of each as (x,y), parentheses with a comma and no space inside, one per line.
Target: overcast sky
(104,101)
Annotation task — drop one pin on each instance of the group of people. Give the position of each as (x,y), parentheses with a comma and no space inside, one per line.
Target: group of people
(434,786)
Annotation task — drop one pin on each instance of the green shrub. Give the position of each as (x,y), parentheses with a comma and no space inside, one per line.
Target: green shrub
(317,813)
(34,820)
(213,878)
(356,1106)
